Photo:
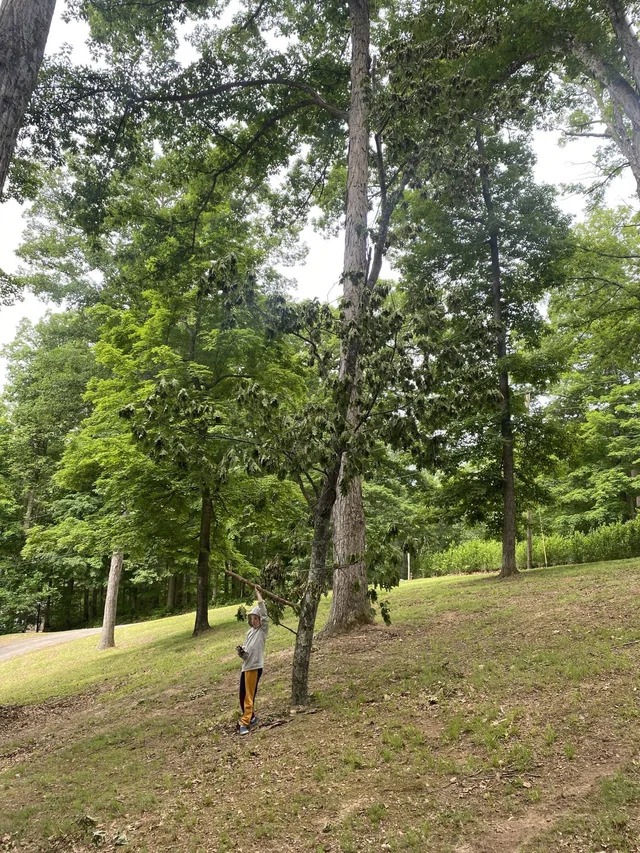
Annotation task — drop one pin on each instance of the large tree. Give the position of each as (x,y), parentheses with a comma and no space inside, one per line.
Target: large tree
(488,243)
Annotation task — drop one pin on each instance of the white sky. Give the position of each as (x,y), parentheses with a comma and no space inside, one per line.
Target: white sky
(320,274)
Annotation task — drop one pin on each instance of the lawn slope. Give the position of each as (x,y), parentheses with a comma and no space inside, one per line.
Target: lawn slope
(490,717)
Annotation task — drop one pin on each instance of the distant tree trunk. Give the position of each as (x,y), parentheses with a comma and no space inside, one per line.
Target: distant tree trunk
(107,637)
(28,515)
(68,603)
(215,586)
(171,594)
(46,619)
(350,603)
(506,426)
(24,29)
(202,597)
(85,606)
(94,602)
(186,580)
(529,539)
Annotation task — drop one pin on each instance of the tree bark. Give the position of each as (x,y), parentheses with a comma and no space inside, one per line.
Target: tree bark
(350,604)
(107,636)
(24,29)
(506,426)
(202,596)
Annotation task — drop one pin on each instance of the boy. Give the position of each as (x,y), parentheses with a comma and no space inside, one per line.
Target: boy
(252,654)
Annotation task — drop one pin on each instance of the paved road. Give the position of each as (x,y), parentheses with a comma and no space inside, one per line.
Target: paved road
(24,643)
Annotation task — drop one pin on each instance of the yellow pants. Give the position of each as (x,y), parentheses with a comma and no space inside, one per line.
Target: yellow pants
(248,689)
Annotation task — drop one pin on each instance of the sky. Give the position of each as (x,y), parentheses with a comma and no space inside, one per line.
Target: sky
(320,274)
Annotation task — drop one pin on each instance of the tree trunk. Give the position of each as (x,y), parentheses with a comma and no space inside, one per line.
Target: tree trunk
(68,603)
(107,638)
(202,597)
(314,587)
(354,280)
(350,603)
(506,426)
(529,539)
(171,594)
(625,35)
(24,29)
(215,587)
(28,515)
(85,606)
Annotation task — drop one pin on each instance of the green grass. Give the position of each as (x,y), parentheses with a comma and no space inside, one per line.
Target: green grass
(147,654)
(485,703)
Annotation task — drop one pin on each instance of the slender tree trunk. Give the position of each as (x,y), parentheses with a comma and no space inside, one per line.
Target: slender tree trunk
(24,29)
(215,587)
(94,602)
(68,603)
(529,539)
(46,621)
(171,594)
(202,597)
(85,606)
(107,637)
(314,587)
(28,515)
(506,426)
(350,604)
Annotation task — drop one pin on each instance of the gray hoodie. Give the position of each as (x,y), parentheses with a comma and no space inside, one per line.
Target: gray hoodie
(254,642)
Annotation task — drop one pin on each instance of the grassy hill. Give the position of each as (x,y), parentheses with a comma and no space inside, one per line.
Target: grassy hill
(491,716)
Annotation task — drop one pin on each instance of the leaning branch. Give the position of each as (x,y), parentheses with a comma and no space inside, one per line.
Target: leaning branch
(263,591)
(258,83)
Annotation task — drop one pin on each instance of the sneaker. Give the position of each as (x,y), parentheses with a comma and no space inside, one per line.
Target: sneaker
(243,730)
(254,722)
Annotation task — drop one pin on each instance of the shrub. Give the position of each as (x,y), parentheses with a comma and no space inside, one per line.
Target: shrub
(611,542)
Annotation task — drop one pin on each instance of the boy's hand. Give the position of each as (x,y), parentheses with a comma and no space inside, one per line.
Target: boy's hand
(258,595)
(241,651)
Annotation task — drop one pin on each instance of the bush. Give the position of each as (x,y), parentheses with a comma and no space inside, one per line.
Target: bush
(476,555)
(611,542)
